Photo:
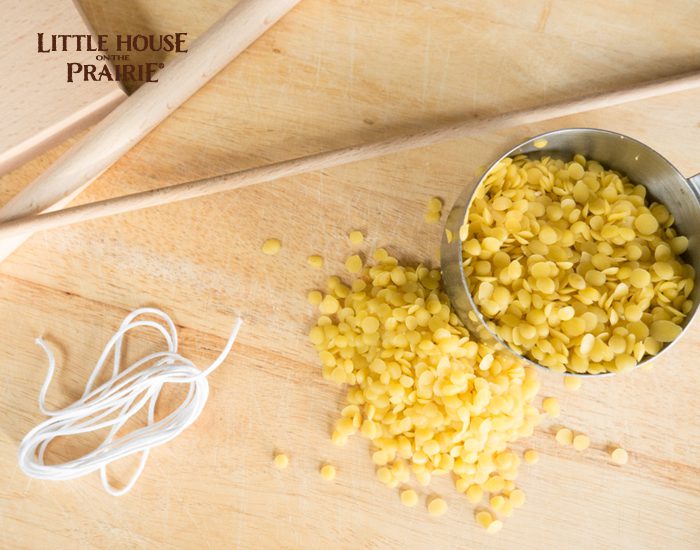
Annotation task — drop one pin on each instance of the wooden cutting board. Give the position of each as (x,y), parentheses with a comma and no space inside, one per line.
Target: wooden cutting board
(39,107)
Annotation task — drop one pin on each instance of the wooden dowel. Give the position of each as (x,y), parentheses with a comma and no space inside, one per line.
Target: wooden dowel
(337,157)
(134,118)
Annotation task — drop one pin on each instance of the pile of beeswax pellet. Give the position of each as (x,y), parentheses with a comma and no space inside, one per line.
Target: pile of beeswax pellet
(572,267)
(432,401)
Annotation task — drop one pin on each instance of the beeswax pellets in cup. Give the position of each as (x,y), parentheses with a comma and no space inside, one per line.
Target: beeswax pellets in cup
(575,253)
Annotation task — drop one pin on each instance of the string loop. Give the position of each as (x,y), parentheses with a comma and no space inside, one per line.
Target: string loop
(113,403)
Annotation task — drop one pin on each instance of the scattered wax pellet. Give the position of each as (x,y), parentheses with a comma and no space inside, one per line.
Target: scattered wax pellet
(619,456)
(506,509)
(423,478)
(581,442)
(494,484)
(353,264)
(328,472)
(356,237)
(384,475)
(339,439)
(271,247)
(314,297)
(486,520)
(539,143)
(329,305)
(497,502)
(531,456)
(434,204)
(409,497)
(432,217)
(315,261)
(572,383)
(517,498)
(380,254)
(437,506)
(564,436)
(551,406)
(281,461)
(494,527)
(474,494)
(483,518)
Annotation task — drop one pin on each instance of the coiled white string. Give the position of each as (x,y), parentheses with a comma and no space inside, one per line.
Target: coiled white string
(113,403)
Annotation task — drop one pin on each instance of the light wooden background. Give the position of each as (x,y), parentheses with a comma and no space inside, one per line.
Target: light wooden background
(334,73)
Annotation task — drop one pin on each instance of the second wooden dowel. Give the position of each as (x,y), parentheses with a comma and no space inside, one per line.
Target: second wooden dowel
(329,159)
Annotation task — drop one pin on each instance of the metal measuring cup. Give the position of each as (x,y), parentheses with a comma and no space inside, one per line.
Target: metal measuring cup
(639,162)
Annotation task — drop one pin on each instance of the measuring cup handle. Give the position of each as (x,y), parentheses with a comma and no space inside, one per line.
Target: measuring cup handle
(695,183)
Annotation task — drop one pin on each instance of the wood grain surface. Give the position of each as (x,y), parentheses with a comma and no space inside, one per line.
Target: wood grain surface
(39,107)
(334,73)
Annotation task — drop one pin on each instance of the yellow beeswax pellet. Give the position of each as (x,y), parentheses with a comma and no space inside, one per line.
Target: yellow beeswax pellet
(646,223)
(624,362)
(483,518)
(271,247)
(339,439)
(423,478)
(540,143)
(572,383)
(531,456)
(575,171)
(353,264)
(619,456)
(281,461)
(314,297)
(551,407)
(640,278)
(329,305)
(564,436)
(409,497)
(679,245)
(370,325)
(517,498)
(384,475)
(581,442)
(494,484)
(548,235)
(356,237)
(315,261)
(437,506)
(432,217)
(494,527)
(328,472)
(664,331)
(475,494)
(497,502)
(434,204)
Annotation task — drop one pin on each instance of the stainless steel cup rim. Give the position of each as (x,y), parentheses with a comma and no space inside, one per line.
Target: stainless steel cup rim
(451,249)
